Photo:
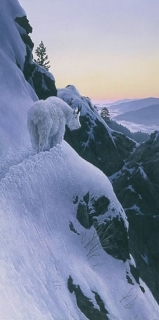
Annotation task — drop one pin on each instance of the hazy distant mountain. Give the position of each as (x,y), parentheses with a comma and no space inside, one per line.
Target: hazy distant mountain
(133,105)
(110,104)
(147,115)
(121,102)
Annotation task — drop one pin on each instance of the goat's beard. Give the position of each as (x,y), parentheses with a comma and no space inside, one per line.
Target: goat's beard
(73,123)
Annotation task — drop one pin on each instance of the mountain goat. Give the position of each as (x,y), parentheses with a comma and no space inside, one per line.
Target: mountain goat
(46,122)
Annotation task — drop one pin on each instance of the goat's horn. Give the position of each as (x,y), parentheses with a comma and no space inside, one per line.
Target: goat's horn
(79,108)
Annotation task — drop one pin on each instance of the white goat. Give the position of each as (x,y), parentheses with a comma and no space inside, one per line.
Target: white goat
(46,122)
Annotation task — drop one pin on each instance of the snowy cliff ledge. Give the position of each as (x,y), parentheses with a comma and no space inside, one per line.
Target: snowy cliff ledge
(52,265)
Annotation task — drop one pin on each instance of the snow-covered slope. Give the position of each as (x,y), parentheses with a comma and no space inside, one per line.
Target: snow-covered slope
(46,254)
(16,95)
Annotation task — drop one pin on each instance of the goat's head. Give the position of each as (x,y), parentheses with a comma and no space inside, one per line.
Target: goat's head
(73,122)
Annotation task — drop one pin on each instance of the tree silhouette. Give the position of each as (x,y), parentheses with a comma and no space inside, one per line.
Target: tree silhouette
(42,57)
(105,114)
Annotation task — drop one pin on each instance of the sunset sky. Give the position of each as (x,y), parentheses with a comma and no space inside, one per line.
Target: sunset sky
(109,49)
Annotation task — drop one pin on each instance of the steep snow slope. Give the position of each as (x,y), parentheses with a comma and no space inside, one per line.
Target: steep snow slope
(16,95)
(45,251)
(16,98)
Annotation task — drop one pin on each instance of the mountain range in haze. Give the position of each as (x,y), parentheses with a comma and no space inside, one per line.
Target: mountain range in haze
(136,115)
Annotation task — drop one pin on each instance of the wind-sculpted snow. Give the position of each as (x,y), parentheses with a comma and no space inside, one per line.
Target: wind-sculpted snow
(44,250)
(8,160)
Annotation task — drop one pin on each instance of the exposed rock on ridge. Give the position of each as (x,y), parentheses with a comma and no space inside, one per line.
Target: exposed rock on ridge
(112,232)
(95,141)
(39,78)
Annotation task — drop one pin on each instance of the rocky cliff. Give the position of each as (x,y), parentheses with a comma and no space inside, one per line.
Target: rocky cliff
(39,78)
(137,188)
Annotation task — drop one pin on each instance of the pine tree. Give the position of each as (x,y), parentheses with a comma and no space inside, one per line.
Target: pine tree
(105,114)
(42,59)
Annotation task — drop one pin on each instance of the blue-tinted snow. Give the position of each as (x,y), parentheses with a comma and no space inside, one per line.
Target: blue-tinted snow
(38,251)
(16,95)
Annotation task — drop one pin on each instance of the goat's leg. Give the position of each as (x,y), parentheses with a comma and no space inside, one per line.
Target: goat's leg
(43,138)
(43,131)
(55,139)
(58,137)
(34,136)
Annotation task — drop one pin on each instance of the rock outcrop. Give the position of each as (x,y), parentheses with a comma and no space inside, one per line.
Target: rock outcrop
(39,78)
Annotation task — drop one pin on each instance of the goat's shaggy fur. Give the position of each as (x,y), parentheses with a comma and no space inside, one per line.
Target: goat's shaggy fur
(46,122)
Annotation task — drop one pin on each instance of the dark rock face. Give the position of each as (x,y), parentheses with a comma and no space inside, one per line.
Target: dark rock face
(113,237)
(42,81)
(43,84)
(112,233)
(105,151)
(24,23)
(144,246)
(85,304)
(137,188)
(89,208)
